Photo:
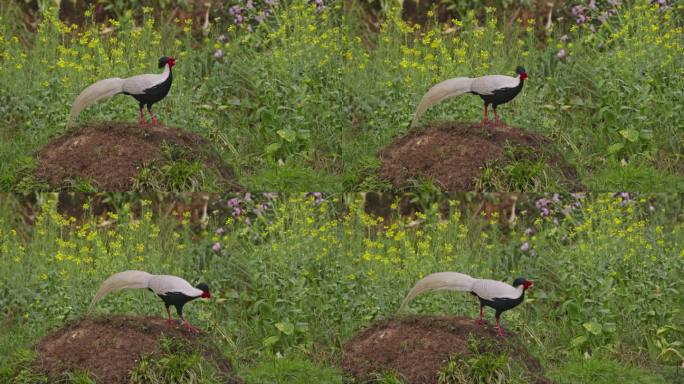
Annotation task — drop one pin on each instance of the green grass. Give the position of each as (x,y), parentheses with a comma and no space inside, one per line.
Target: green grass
(292,283)
(321,93)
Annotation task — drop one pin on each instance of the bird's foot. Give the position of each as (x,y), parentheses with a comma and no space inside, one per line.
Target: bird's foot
(480,322)
(171,322)
(485,121)
(154,122)
(190,328)
(500,332)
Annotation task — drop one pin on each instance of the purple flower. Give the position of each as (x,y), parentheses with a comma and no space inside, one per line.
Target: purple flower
(564,38)
(525,247)
(249,5)
(234,202)
(529,231)
(592,28)
(218,54)
(270,195)
(216,247)
(541,203)
(561,54)
(248,221)
(271,2)
(222,38)
(219,231)
(578,195)
(545,212)
(614,3)
(592,4)
(237,211)
(235,10)
(555,198)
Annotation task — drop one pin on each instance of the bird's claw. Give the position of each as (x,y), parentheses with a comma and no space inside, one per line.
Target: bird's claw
(190,328)
(480,322)
(171,322)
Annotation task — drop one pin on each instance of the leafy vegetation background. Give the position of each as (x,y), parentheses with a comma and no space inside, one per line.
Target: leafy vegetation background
(300,96)
(294,276)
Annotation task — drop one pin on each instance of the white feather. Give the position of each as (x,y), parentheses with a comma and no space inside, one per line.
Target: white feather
(444,90)
(119,281)
(137,85)
(452,281)
(492,289)
(163,284)
(486,85)
(100,90)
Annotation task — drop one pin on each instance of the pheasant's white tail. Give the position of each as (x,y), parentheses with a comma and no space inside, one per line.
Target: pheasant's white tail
(444,90)
(121,280)
(101,90)
(452,281)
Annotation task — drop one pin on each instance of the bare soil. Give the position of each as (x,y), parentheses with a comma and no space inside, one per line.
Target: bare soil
(110,154)
(417,347)
(108,348)
(453,154)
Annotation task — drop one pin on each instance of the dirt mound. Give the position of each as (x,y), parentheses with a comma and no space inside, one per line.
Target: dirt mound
(110,348)
(454,154)
(417,348)
(110,155)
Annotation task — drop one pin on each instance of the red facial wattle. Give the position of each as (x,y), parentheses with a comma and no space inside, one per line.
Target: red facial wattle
(523,76)
(206,295)
(172,62)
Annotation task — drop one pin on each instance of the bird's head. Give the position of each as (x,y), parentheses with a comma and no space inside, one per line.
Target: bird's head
(205,290)
(166,60)
(522,281)
(521,71)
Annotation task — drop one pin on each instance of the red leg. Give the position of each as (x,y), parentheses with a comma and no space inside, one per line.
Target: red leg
(485,118)
(142,120)
(170,320)
(154,118)
(499,330)
(186,325)
(496,121)
(480,321)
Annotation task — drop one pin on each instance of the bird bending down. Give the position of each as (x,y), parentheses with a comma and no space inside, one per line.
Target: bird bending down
(493,89)
(494,294)
(171,289)
(147,89)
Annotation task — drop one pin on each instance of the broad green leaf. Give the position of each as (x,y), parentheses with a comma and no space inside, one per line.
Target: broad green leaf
(272,148)
(630,134)
(615,148)
(271,340)
(593,327)
(286,328)
(287,134)
(578,341)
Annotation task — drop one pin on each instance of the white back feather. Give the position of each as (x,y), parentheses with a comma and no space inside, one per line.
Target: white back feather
(100,90)
(492,289)
(444,90)
(163,284)
(486,85)
(137,85)
(121,280)
(452,281)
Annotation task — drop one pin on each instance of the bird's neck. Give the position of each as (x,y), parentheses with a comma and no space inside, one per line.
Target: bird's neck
(167,71)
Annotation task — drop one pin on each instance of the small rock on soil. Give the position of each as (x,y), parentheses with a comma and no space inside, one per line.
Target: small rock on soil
(417,347)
